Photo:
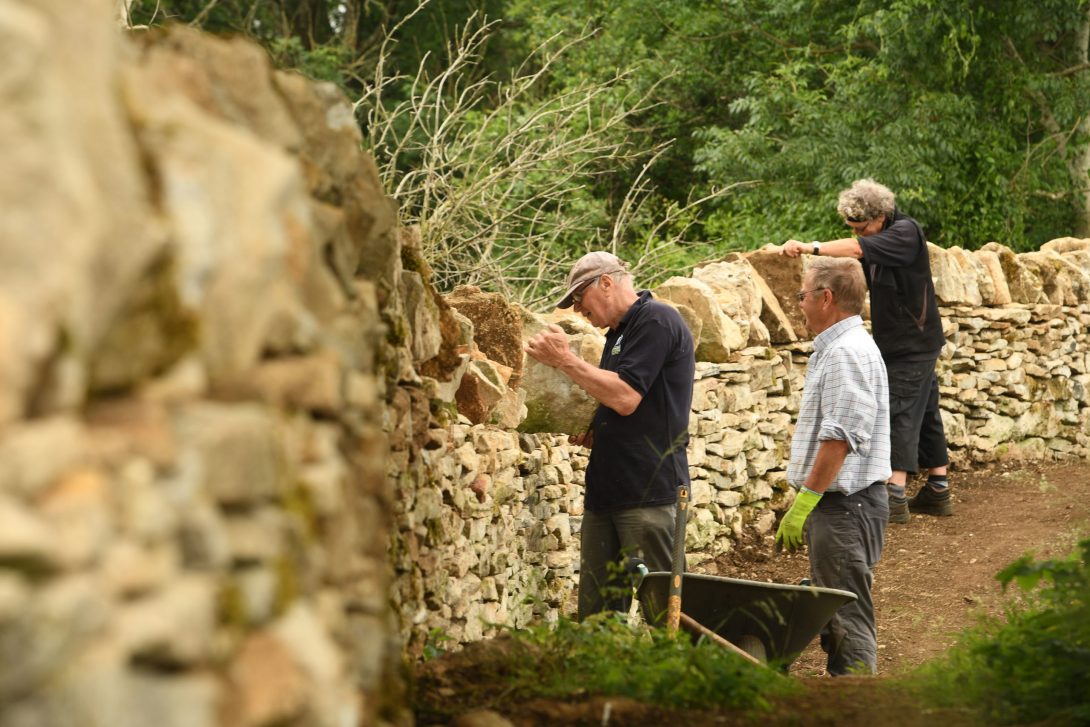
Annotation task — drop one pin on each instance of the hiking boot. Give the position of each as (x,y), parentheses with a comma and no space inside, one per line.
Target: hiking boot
(898,509)
(929,501)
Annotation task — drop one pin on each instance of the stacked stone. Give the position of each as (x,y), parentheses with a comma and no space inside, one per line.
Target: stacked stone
(193,512)
(492,527)
(738,431)
(489,538)
(1015,382)
(1014,372)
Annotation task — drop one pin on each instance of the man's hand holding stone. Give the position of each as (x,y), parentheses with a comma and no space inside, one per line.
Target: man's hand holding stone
(550,346)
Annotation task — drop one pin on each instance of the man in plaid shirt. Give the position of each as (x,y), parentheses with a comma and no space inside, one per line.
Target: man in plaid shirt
(840,459)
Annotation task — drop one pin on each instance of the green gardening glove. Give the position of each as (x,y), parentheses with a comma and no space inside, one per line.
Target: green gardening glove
(789,534)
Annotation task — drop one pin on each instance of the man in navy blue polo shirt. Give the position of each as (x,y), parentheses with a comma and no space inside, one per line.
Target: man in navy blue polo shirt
(638,435)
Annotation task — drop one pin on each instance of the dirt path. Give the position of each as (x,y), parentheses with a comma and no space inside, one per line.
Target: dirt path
(936,578)
(937,575)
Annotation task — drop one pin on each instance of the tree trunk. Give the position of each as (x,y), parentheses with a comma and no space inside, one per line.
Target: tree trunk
(1078,166)
(307,20)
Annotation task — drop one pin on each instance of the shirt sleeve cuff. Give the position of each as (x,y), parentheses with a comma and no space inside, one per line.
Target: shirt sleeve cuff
(858,443)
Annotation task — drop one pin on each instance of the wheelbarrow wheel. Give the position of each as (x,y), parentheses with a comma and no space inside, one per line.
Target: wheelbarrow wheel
(753,646)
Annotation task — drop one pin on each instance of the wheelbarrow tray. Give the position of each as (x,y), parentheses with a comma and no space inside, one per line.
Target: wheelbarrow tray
(783,618)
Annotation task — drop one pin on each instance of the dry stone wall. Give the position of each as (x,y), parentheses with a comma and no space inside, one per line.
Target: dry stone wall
(489,535)
(201,289)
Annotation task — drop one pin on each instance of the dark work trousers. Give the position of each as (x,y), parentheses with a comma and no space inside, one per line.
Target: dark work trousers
(608,539)
(916,436)
(845,535)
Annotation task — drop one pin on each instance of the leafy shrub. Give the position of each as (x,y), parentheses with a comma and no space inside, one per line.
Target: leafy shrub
(605,656)
(1036,664)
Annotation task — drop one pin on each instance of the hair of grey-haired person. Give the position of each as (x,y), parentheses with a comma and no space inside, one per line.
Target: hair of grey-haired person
(843,276)
(866,199)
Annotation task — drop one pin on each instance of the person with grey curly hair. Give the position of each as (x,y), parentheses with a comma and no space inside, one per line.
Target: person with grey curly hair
(866,199)
(906,326)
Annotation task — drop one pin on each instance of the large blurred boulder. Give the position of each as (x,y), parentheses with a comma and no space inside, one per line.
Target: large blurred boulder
(77,227)
(361,238)
(251,216)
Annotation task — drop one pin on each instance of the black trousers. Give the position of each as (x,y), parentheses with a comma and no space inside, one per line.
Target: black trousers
(916,436)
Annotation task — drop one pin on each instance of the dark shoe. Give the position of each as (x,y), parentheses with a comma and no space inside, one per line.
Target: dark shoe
(898,509)
(929,501)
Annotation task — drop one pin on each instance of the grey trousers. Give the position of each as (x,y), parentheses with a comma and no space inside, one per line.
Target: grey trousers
(845,534)
(607,540)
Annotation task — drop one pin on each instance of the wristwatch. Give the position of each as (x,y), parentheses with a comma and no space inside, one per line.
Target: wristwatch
(817,247)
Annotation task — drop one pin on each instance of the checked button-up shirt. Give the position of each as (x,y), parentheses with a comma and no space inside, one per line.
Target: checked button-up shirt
(845,397)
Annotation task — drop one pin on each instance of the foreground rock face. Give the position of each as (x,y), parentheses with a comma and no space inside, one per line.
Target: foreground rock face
(196,268)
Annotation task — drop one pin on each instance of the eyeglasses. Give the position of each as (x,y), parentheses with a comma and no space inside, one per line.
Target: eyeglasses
(856,219)
(577,296)
(801,296)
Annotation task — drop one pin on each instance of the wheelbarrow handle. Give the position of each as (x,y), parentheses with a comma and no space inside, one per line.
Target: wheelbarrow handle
(693,626)
(673,605)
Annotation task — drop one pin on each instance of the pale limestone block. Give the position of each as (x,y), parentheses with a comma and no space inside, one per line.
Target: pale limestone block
(955,276)
(1024,285)
(77,510)
(34,454)
(312,383)
(258,536)
(739,297)
(235,450)
(268,685)
(719,335)
(26,538)
(173,626)
(990,278)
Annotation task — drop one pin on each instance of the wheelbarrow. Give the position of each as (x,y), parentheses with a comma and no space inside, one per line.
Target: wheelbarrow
(767,621)
(759,621)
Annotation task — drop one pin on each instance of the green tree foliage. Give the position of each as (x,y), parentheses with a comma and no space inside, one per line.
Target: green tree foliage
(973,112)
(1036,665)
(337,40)
(733,123)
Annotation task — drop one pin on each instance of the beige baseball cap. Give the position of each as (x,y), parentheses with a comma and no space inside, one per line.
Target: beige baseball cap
(586,269)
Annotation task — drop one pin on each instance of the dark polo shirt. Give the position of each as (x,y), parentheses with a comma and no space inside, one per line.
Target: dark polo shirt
(639,460)
(904,313)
